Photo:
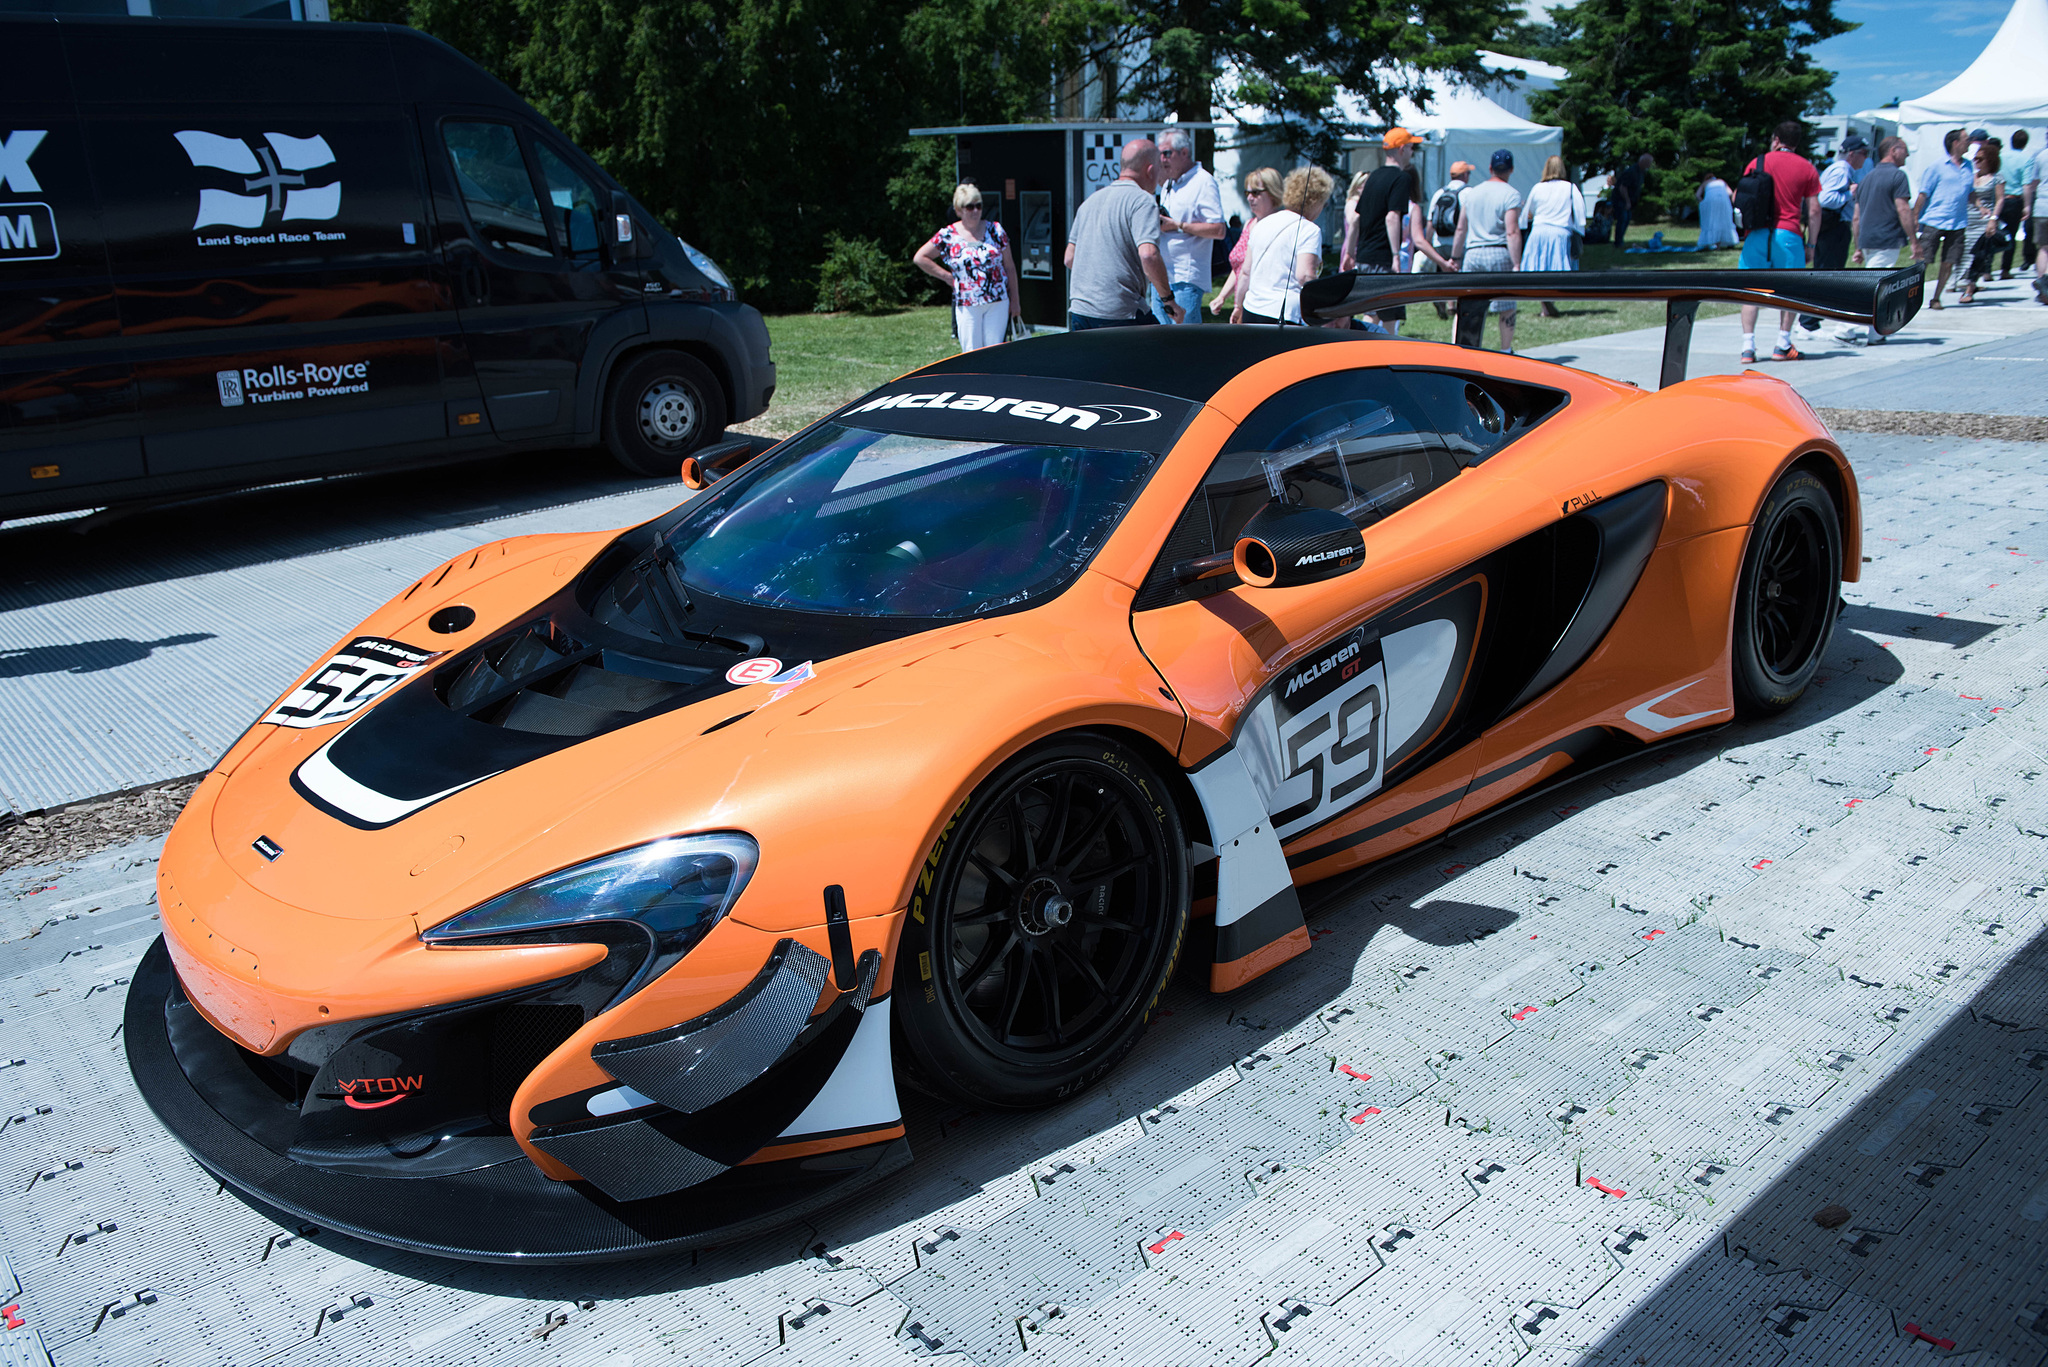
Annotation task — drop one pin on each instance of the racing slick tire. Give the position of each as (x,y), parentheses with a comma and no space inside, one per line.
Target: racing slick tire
(662,406)
(1788,596)
(1044,927)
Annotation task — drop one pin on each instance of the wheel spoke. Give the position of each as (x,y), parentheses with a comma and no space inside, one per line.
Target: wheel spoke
(1106,922)
(995,871)
(1056,829)
(1049,998)
(981,917)
(1023,830)
(973,976)
(1087,969)
(1087,840)
(1013,991)
(1097,876)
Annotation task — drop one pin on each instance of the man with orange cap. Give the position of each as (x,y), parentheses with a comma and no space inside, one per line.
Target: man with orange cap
(1390,194)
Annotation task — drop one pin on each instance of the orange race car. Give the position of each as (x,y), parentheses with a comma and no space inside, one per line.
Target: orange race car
(592,896)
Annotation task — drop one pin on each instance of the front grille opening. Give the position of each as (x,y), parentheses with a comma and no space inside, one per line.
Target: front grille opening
(522,1036)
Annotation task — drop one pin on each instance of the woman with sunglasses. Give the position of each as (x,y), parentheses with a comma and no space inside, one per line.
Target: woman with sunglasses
(1262,193)
(974,257)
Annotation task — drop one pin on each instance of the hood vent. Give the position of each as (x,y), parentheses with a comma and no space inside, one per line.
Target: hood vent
(541,680)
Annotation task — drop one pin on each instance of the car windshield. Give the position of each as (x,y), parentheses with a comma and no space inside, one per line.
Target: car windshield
(880,524)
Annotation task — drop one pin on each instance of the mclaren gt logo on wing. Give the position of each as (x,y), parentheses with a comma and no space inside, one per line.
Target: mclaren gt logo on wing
(273,183)
(1080,418)
(375,1093)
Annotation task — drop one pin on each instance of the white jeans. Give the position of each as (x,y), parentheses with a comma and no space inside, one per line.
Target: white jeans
(980,325)
(1875,259)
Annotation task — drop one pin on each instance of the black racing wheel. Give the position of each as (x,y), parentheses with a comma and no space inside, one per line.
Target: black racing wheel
(1058,900)
(1786,602)
(662,407)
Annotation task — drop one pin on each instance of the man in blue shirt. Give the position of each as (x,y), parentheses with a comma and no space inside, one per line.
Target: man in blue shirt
(1943,211)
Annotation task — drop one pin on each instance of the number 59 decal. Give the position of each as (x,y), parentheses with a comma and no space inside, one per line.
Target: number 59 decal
(1315,743)
(358,674)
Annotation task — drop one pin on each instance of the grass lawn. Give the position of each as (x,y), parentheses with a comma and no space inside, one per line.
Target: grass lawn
(824,359)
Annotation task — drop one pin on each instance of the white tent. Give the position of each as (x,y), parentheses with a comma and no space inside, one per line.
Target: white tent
(2005,88)
(1462,125)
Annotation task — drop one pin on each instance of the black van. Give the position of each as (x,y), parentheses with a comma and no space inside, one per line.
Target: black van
(234,252)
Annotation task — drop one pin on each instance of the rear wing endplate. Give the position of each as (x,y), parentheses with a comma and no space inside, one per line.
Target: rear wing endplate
(1886,300)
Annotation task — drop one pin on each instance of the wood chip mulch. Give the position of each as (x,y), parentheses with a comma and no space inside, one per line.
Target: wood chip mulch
(83,828)
(1983,426)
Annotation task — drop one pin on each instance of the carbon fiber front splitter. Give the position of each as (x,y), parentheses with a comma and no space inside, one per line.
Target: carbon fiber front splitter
(508,1212)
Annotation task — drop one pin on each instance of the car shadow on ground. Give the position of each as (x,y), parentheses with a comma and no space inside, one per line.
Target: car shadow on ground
(1196,1035)
(57,561)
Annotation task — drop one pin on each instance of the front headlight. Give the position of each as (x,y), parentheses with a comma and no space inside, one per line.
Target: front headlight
(707,266)
(672,892)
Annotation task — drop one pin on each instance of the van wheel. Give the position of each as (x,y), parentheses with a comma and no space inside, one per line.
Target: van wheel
(1790,591)
(1045,925)
(663,406)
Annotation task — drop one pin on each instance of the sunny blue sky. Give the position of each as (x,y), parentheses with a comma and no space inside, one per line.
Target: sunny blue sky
(1905,48)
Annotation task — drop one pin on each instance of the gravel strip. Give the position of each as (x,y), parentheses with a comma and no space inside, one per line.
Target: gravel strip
(1985,426)
(83,827)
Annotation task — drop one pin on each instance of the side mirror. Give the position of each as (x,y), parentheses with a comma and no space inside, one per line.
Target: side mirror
(1286,544)
(715,462)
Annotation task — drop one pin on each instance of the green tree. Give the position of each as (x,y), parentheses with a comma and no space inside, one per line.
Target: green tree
(1291,58)
(758,128)
(1698,84)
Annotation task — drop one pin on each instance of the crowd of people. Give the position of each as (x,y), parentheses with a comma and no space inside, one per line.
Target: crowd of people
(1143,248)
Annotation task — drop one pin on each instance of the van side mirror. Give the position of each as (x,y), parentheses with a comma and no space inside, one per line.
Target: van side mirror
(713,463)
(1286,544)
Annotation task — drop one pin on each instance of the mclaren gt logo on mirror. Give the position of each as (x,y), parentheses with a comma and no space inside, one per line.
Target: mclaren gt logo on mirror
(275,384)
(1317,558)
(28,230)
(271,184)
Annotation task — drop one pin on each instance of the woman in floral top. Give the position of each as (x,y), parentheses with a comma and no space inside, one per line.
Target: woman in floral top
(974,257)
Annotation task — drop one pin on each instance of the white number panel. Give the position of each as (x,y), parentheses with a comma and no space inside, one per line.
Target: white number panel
(360,672)
(1315,741)
(1318,740)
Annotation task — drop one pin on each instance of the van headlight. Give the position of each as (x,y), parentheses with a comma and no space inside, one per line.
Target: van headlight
(709,267)
(671,891)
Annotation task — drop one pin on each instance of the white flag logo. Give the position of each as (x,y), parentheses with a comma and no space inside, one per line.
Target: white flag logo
(273,177)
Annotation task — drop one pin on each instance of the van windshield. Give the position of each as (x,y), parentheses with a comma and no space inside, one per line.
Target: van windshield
(879,524)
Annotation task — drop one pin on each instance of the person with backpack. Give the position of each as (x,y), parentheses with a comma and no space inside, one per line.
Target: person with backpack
(1779,200)
(1441,220)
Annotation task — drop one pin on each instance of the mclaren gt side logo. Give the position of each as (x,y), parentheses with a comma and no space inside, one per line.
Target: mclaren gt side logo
(1340,553)
(1080,419)
(375,1093)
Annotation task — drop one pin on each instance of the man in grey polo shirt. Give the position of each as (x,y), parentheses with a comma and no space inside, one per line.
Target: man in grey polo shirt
(1114,248)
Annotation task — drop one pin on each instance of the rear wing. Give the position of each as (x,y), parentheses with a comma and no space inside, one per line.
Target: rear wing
(1886,300)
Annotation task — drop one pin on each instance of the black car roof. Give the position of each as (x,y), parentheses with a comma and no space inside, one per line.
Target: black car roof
(1185,362)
